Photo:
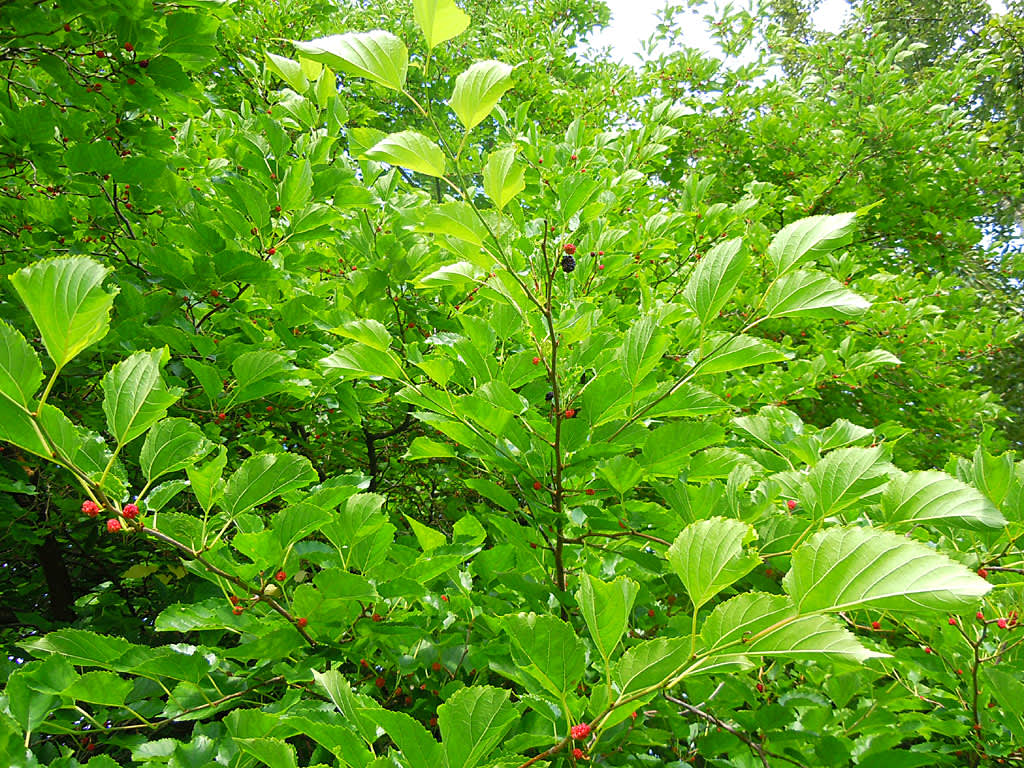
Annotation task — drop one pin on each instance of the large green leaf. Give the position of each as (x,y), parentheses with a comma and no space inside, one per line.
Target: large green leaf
(478,90)
(288,70)
(172,445)
(553,654)
(269,751)
(812,294)
(339,690)
(606,607)
(135,396)
(845,477)
(440,20)
(649,663)
(454,219)
(807,238)
(67,302)
(715,278)
(417,745)
(409,149)
(473,721)
(264,477)
(363,360)
(725,353)
(935,498)
(504,177)
(20,370)
(378,56)
(641,349)
(708,556)
(849,567)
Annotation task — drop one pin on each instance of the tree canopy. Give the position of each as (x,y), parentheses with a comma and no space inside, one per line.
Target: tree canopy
(412,384)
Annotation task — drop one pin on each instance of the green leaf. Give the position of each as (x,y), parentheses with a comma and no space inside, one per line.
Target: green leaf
(708,556)
(426,537)
(606,607)
(473,721)
(81,647)
(715,278)
(810,237)
(731,353)
(425,448)
(98,687)
(845,477)
(440,20)
(409,149)
(340,692)
(454,219)
(622,473)
(417,745)
(478,90)
(274,752)
(265,477)
(843,568)
(378,56)
(554,656)
(757,624)
(288,70)
(641,350)
(504,177)
(649,663)
(1008,690)
(935,498)
(135,396)
(21,373)
(358,360)
(67,302)
(492,491)
(812,294)
(297,185)
(172,445)
(367,331)
(205,480)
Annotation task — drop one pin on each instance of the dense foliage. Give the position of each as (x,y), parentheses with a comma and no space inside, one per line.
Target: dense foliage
(403,384)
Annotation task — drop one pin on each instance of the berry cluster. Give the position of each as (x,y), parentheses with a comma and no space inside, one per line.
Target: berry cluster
(568,262)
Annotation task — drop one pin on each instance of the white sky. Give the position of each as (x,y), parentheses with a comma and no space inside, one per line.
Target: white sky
(633,21)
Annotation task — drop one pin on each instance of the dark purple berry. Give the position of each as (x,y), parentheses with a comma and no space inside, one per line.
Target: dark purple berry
(568,263)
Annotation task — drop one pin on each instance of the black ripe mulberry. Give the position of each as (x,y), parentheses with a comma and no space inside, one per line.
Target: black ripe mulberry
(568,263)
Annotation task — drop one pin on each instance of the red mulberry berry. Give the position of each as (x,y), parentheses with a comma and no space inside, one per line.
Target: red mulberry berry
(233,599)
(580,731)
(237,610)
(590,491)
(569,249)
(876,625)
(436,666)
(130,511)
(113,525)
(983,573)
(791,503)
(1001,623)
(578,754)
(380,682)
(377,617)
(302,623)
(89,509)
(536,485)
(280,575)
(952,621)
